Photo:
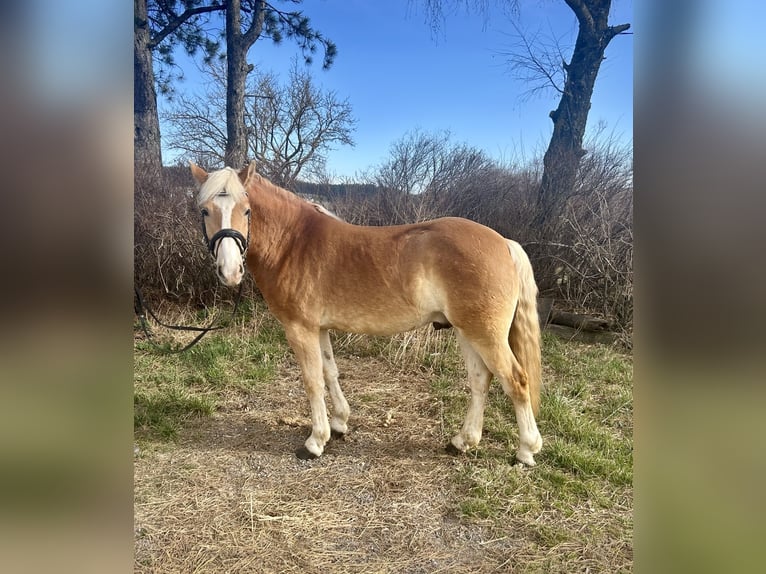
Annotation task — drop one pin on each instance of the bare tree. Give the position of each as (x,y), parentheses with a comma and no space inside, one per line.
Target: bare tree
(425,176)
(544,66)
(196,126)
(536,59)
(289,127)
(562,158)
(160,25)
(429,163)
(414,162)
(292,126)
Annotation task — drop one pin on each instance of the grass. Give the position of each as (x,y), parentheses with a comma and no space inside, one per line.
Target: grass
(216,428)
(171,389)
(160,415)
(585,467)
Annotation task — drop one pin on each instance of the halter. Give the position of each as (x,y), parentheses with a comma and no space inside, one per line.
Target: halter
(212,243)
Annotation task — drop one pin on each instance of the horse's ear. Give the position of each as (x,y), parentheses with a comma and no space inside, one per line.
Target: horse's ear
(246,172)
(199,174)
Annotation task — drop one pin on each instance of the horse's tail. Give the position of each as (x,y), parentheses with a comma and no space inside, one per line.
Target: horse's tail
(524,336)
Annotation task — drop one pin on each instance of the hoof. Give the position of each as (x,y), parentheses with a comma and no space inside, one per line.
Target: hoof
(305,454)
(526,459)
(337,435)
(452,450)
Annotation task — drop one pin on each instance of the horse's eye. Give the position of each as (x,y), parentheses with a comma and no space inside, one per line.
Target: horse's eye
(205,213)
(247,213)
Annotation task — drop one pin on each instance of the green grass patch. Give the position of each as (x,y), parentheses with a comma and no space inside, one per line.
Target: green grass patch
(577,500)
(453,394)
(171,389)
(586,423)
(161,414)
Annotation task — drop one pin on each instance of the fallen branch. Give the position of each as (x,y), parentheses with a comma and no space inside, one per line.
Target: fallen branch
(581,322)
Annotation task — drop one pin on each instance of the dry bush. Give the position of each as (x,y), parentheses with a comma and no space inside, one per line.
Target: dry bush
(428,176)
(597,270)
(424,171)
(385,206)
(499,197)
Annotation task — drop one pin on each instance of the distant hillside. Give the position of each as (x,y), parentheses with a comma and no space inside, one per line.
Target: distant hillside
(335,190)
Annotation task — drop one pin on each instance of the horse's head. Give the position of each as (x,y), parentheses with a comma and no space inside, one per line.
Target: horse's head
(225,209)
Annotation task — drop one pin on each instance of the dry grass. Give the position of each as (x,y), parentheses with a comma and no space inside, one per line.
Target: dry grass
(222,491)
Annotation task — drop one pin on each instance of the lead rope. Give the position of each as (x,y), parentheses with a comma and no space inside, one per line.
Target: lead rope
(141,308)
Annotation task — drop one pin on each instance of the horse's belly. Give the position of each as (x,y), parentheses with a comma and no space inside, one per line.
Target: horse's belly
(379,310)
(386,321)
(372,326)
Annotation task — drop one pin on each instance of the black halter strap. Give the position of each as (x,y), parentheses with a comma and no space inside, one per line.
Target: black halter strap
(212,243)
(227,232)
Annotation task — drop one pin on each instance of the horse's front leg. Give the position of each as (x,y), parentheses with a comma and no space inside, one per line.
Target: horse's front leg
(305,345)
(340,409)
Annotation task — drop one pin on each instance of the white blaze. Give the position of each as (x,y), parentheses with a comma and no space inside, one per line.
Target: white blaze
(229,264)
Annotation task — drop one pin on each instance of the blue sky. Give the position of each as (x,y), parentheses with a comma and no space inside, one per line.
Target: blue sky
(398,76)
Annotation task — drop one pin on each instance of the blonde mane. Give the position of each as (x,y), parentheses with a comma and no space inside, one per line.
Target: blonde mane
(222,182)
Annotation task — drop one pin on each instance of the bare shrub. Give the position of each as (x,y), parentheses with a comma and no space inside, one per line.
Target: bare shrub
(498,197)
(429,176)
(599,264)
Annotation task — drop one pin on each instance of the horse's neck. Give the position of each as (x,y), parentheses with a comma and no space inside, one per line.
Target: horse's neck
(274,221)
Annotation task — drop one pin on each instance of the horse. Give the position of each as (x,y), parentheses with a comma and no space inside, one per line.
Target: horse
(317,272)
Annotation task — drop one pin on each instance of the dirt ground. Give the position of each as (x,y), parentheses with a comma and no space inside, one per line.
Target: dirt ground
(229,495)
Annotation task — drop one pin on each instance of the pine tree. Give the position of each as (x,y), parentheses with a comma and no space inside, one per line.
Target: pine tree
(158,27)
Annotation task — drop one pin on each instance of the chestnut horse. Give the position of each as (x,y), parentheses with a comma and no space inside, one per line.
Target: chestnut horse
(317,272)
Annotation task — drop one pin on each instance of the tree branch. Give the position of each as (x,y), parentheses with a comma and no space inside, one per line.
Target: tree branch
(173,24)
(539,63)
(582,11)
(256,24)
(612,31)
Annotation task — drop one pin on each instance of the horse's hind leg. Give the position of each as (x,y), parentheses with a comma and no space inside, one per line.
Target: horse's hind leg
(340,410)
(503,363)
(479,377)
(306,346)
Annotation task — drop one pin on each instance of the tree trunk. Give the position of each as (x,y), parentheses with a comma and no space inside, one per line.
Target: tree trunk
(562,158)
(237,68)
(146,124)
(236,75)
